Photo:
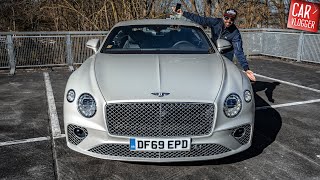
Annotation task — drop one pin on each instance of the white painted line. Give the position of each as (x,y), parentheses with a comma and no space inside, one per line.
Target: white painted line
(22,141)
(61,136)
(289,83)
(288,104)
(297,153)
(55,126)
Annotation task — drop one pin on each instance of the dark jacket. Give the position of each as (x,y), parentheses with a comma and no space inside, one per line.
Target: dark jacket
(232,34)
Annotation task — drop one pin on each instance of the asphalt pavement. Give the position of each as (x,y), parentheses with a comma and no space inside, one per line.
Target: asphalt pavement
(286,142)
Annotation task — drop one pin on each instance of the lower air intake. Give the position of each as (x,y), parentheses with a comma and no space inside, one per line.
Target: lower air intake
(122,150)
(246,137)
(72,137)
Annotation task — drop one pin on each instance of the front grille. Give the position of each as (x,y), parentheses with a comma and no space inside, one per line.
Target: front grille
(246,137)
(122,150)
(160,119)
(72,137)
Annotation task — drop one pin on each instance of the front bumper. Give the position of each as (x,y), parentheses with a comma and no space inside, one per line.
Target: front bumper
(99,144)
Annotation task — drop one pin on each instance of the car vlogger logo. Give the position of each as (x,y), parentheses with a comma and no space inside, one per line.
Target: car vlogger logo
(304,16)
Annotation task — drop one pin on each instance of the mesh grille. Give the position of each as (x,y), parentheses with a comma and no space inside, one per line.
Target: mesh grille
(122,150)
(311,48)
(72,137)
(79,49)
(4,61)
(252,43)
(37,51)
(197,151)
(280,44)
(160,119)
(244,139)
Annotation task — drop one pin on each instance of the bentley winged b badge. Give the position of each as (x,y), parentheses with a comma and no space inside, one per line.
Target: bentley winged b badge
(160,94)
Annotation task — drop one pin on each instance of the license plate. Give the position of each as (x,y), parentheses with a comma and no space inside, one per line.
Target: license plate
(139,144)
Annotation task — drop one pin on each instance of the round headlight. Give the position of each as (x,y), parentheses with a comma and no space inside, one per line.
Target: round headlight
(232,105)
(247,96)
(71,95)
(87,105)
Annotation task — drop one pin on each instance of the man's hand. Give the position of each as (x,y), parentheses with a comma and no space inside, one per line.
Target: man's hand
(180,12)
(250,75)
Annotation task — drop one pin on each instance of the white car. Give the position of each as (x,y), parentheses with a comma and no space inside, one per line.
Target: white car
(158,91)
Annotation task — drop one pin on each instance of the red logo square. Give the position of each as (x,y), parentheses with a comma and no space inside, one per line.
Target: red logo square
(304,16)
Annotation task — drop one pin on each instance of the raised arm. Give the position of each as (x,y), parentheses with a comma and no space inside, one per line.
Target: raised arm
(204,21)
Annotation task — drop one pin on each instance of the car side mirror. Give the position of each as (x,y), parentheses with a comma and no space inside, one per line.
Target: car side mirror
(223,44)
(93,44)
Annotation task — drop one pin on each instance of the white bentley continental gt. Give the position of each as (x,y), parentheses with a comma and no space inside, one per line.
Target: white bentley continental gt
(158,91)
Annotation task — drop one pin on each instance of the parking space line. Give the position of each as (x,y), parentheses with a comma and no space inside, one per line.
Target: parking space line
(61,136)
(289,83)
(22,141)
(53,115)
(297,153)
(288,104)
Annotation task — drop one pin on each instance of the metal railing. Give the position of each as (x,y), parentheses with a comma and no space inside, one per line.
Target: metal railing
(289,44)
(36,49)
(44,49)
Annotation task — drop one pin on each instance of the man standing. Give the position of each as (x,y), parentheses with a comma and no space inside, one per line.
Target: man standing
(224,28)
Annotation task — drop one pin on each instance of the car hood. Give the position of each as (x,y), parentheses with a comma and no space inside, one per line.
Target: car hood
(145,77)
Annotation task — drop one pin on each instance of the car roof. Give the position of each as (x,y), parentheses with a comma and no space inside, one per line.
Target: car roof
(157,22)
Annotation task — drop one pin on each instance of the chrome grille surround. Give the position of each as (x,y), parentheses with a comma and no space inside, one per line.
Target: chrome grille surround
(122,150)
(72,138)
(246,137)
(160,119)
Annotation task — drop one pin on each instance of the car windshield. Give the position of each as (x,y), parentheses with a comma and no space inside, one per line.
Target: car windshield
(157,39)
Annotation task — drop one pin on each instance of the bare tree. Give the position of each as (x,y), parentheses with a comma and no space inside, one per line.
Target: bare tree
(91,15)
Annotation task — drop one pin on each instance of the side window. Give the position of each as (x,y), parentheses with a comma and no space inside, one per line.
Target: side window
(196,39)
(190,37)
(119,40)
(126,40)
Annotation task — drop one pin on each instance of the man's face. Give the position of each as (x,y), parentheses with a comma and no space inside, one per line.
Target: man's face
(228,21)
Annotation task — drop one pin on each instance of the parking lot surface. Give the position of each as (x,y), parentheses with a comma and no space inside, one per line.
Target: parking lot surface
(286,142)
